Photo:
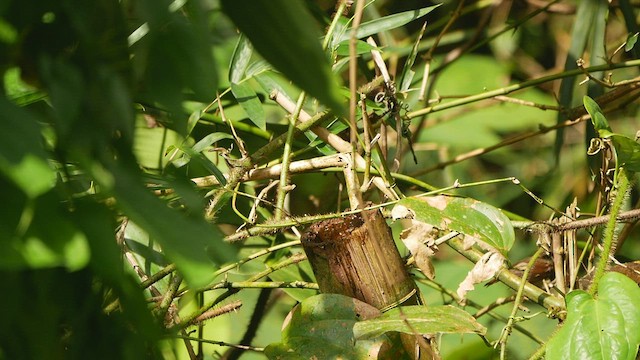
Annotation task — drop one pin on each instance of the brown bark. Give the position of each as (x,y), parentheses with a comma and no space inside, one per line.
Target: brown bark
(356,256)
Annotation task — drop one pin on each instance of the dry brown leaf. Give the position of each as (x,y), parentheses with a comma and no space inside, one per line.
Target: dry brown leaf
(486,268)
(420,240)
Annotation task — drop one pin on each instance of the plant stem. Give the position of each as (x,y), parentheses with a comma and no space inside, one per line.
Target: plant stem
(188,319)
(516,304)
(609,234)
(283,186)
(256,318)
(532,292)
(523,85)
(237,173)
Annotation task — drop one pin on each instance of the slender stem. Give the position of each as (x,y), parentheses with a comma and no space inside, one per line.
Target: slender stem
(283,186)
(353,188)
(532,292)
(481,310)
(516,304)
(169,295)
(609,234)
(267,285)
(188,319)
(334,23)
(237,173)
(256,255)
(259,311)
(220,343)
(523,85)
(158,276)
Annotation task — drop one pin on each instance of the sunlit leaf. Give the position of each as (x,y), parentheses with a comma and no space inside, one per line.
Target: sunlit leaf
(597,117)
(468,216)
(190,242)
(301,271)
(420,319)
(282,32)
(606,327)
(250,103)
(362,47)
(632,39)
(240,60)
(407,72)
(48,240)
(321,327)
(385,23)
(22,157)
(209,140)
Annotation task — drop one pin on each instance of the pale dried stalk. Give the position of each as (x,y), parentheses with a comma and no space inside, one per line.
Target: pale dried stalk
(335,141)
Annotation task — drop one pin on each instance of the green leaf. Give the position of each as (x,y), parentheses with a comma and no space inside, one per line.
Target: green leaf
(627,151)
(321,327)
(468,216)
(250,103)
(385,23)
(190,242)
(282,32)
(604,328)
(420,319)
(597,118)
(48,239)
(362,47)
(407,72)
(240,60)
(22,157)
(585,21)
(178,56)
(632,39)
(150,144)
(209,140)
(301,271)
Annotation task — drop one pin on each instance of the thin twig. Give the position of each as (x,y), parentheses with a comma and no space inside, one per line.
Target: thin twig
(215,312)
(220,343)
(506,332)
(523,85)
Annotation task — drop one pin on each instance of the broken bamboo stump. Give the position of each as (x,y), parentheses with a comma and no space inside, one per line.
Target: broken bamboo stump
(356,256)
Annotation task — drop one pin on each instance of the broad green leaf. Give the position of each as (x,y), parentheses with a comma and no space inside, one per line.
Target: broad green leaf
(22,157)
(627,151)
(149,145)
(385,23)
(321,327)
(250,103)
(240,60)
(468,216)
(420,319)
(597,117)
(606,327)
(283,33)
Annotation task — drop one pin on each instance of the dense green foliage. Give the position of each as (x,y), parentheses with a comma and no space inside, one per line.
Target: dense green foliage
(159,159)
